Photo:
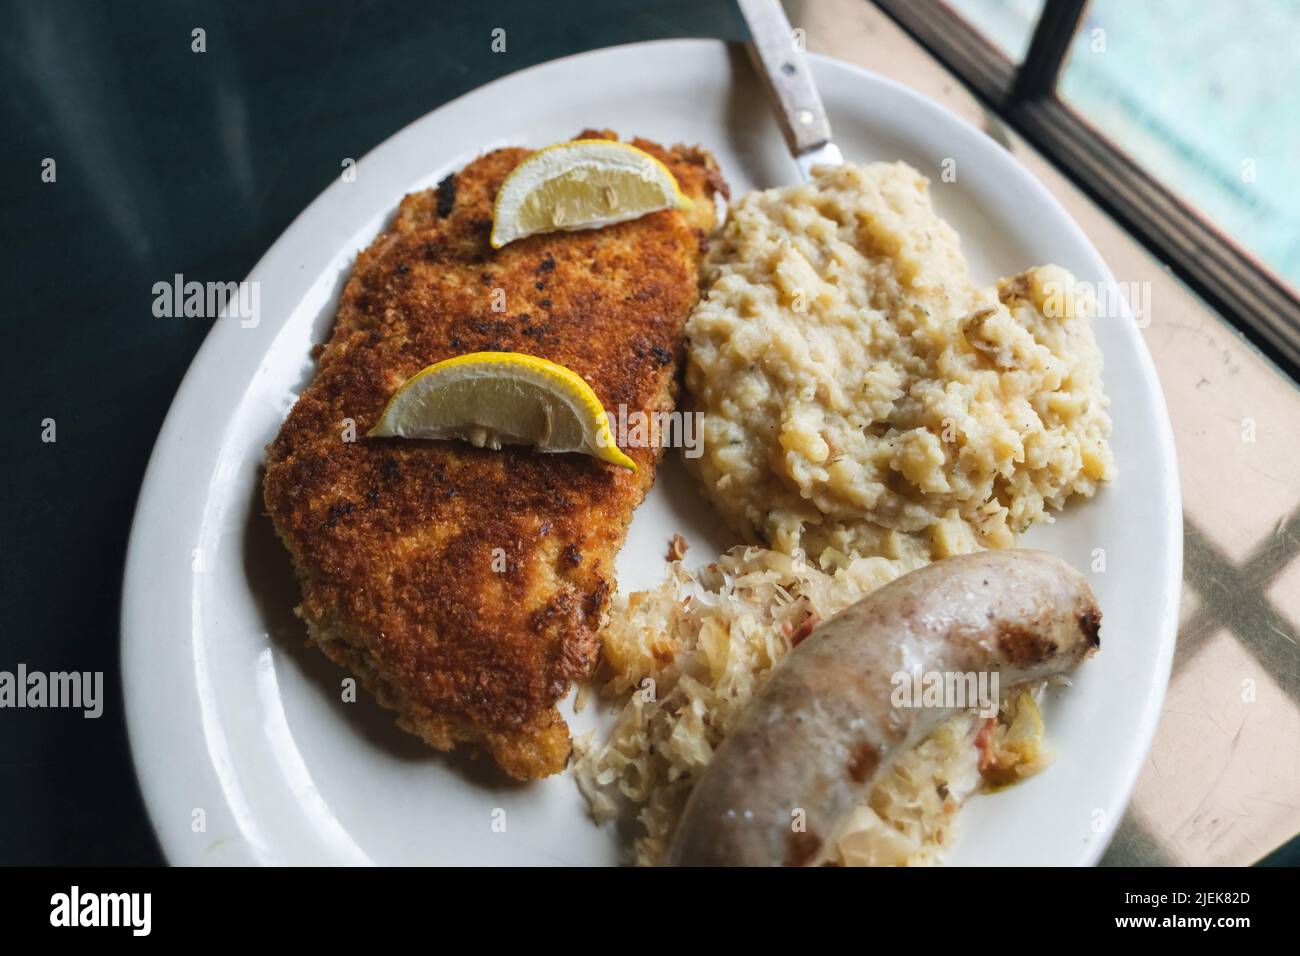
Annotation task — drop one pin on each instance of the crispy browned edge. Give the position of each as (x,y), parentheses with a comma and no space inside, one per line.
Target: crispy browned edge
(393,541)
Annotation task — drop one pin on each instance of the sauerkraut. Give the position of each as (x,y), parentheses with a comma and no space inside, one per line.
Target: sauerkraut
(682,661)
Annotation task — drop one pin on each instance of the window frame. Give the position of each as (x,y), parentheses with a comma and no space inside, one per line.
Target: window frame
(1232,280)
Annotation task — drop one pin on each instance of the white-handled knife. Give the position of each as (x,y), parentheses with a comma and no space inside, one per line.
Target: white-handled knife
(789,83)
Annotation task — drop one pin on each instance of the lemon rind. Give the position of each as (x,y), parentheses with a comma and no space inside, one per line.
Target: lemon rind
(680,199)
(606,448)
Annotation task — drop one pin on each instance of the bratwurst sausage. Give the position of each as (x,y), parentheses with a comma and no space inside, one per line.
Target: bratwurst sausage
(823,729)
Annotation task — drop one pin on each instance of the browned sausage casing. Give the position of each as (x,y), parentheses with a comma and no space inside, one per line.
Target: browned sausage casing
(823,729)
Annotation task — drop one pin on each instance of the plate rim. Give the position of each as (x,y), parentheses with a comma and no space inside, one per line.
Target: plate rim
(149,530)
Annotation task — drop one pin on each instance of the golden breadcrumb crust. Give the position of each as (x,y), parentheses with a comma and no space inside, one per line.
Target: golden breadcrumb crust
(395,542)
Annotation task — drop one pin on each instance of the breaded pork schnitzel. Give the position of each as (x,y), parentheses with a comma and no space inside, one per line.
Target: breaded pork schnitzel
(465,586)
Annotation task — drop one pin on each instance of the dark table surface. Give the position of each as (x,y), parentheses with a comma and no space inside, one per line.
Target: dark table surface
(171,161)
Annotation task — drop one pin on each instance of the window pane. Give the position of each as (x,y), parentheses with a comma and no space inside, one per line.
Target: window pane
(1007,23)
(1204,94)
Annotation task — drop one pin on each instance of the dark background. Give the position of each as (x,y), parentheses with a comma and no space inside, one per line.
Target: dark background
(173,161)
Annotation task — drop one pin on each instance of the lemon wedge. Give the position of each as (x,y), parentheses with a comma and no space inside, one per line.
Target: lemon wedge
(582,184)
(492,399)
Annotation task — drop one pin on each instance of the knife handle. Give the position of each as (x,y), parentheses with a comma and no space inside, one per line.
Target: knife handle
(786,76)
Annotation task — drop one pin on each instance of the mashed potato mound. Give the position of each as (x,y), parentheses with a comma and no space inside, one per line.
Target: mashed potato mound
(863,396)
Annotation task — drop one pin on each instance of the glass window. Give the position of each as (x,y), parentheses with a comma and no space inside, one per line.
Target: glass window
(1009,24)
(1203,94)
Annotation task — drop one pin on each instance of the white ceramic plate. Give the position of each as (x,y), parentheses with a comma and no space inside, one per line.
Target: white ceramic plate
(244,749)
